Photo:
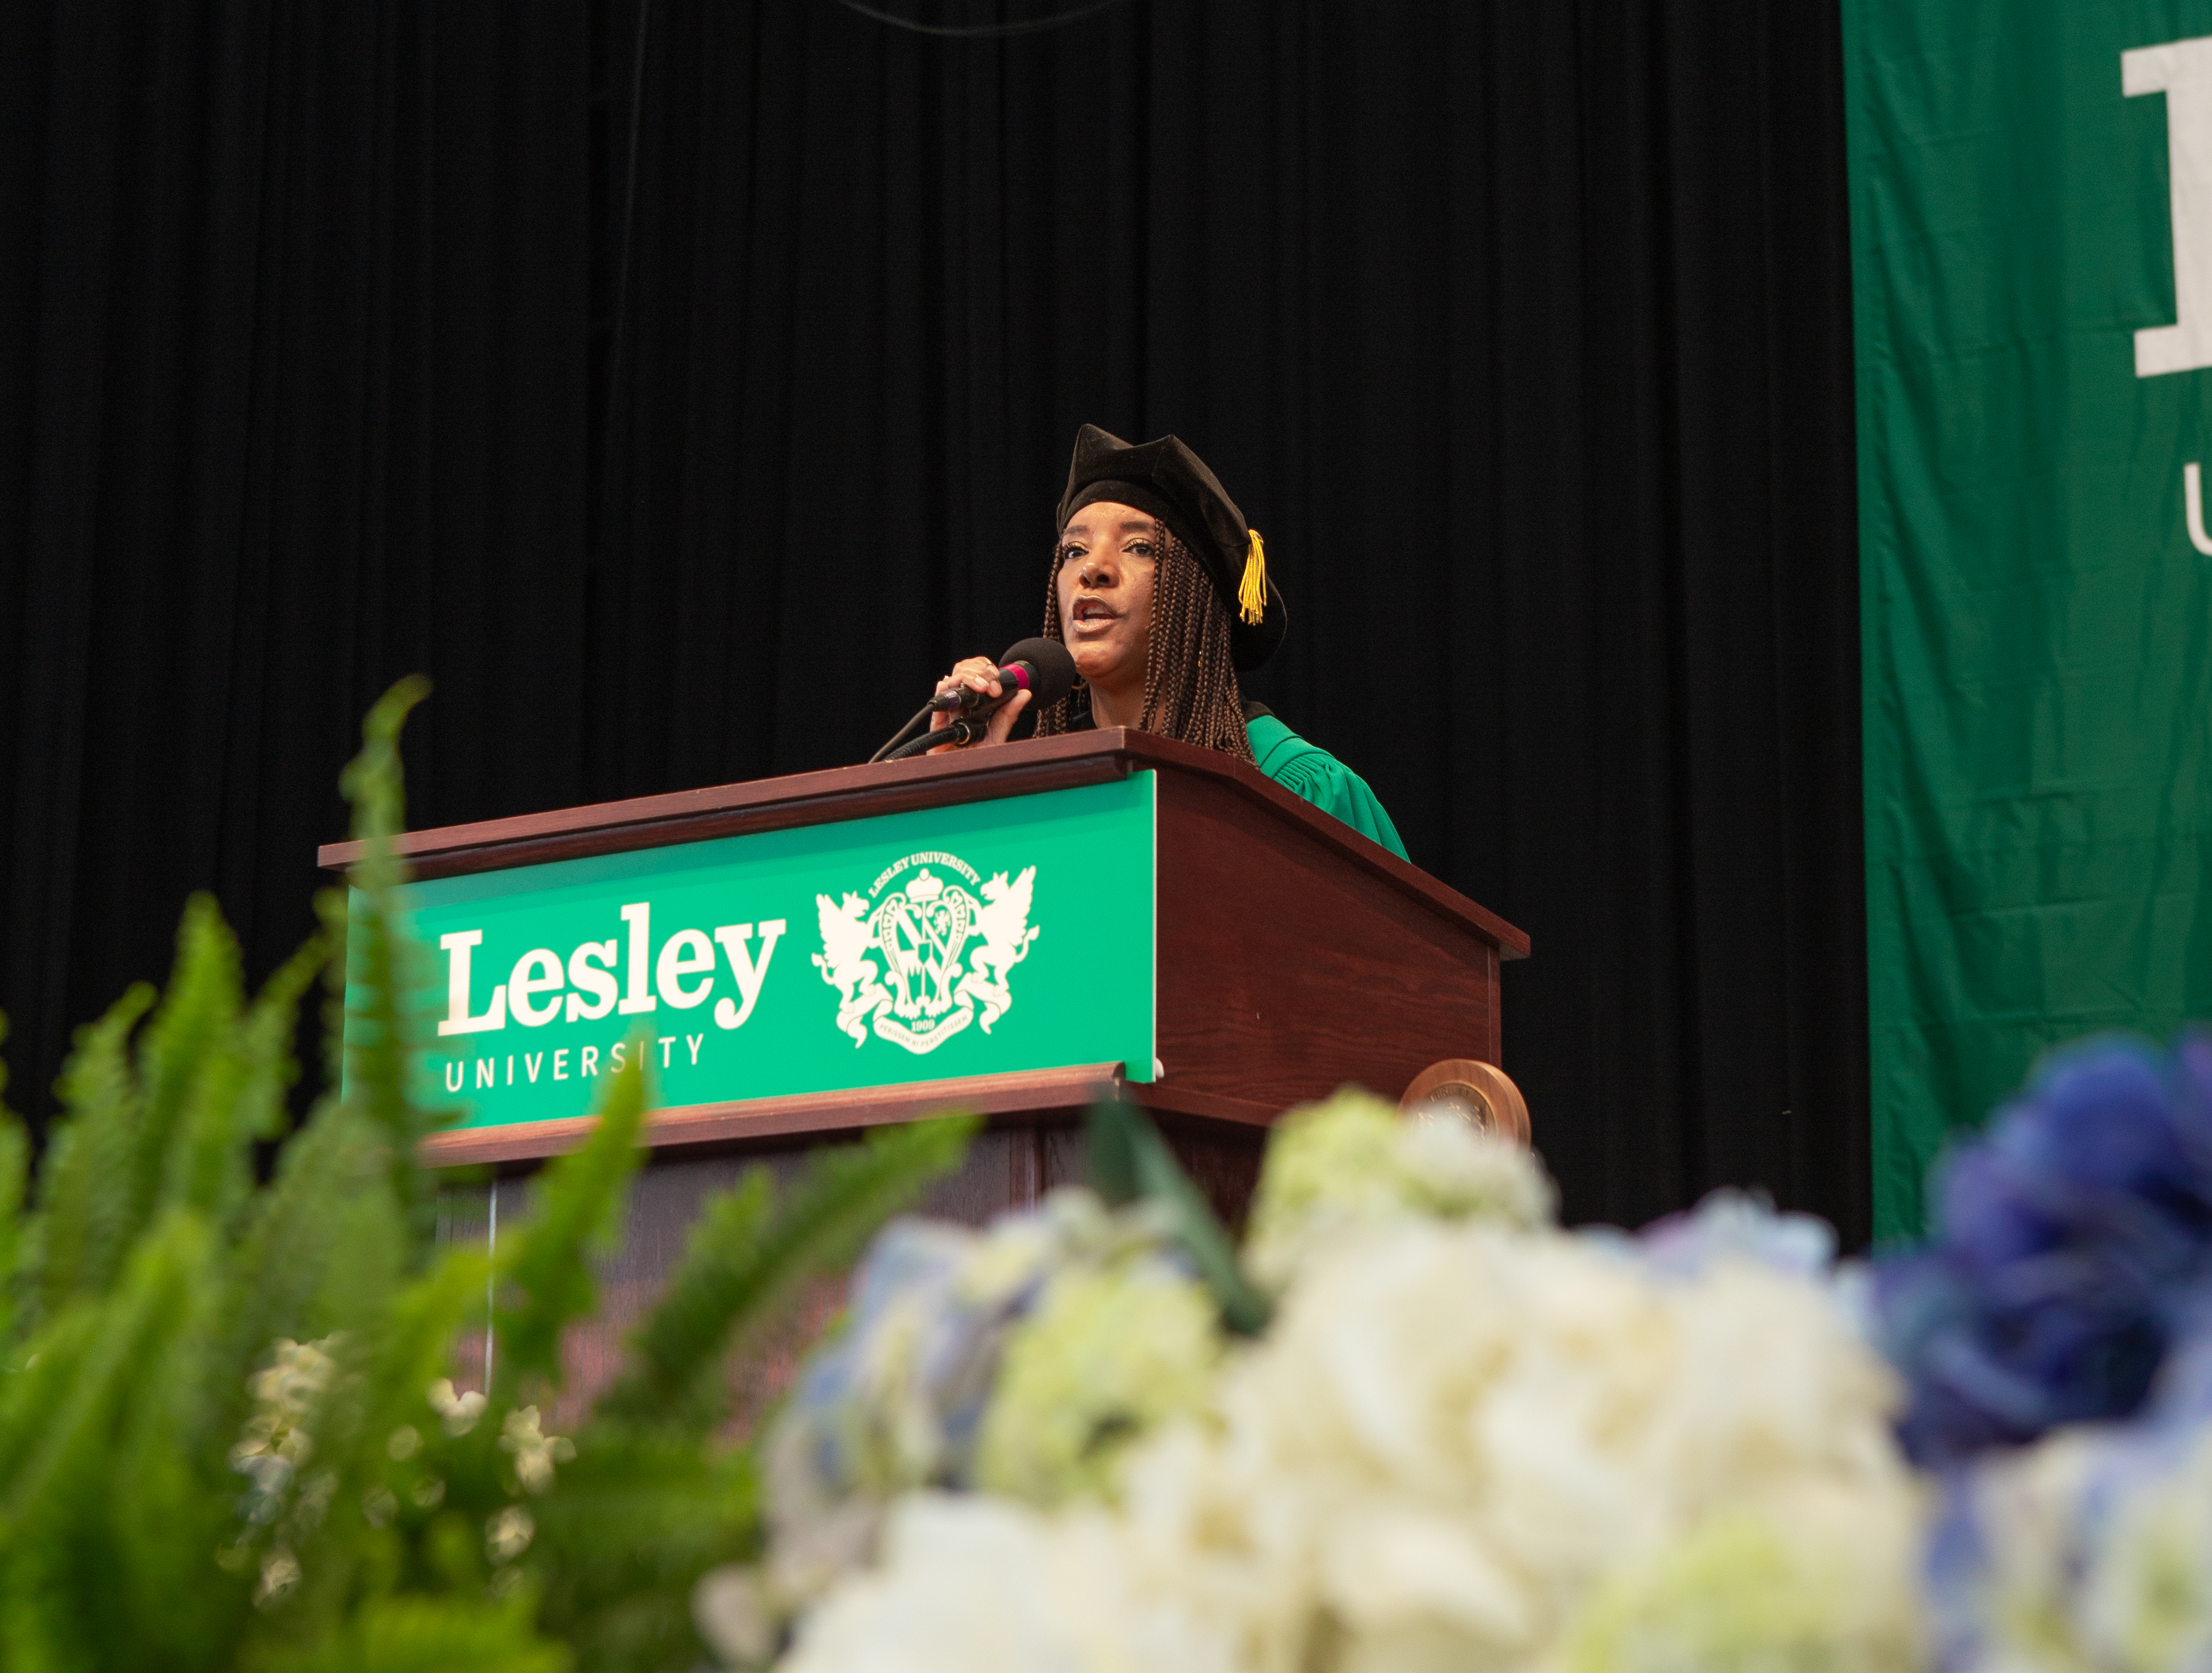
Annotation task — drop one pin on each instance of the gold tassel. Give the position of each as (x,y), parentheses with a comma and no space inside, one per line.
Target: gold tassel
(1252,592)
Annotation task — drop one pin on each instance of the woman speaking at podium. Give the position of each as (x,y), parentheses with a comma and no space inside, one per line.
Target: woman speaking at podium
(1161,594)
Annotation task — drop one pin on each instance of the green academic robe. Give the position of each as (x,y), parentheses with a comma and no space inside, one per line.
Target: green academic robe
(1307,770)
(1312,772)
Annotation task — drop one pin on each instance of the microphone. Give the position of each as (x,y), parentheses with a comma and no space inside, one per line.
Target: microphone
(1042,667)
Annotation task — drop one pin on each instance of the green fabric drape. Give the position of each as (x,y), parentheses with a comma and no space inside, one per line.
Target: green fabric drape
(2039,770)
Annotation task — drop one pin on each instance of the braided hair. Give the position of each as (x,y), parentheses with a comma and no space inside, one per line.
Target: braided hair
(1190,683)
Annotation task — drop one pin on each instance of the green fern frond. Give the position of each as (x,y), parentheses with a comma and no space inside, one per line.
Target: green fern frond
(324,1246)
(288,1235)
(164,1458)
(225,1066)
(383,1027)
(127,1396)
(379,1030)
(1129,1160)
(412,1342)
(699,1310)
(37,1619)
(416,1634)
(189,1075)
(549,1281)
(14,1178)
(153,1275)
(267,1038)
(15,1171)
(85,1192)
(152,1299)
(638,1516)
(388,1360)
(333,914)
(34,1390)
(742,1260)
(375,782)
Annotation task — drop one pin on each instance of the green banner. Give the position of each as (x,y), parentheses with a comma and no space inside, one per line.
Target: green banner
(977,940)
(2032,260)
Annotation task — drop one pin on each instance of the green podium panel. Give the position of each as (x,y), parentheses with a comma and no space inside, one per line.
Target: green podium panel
(994,936)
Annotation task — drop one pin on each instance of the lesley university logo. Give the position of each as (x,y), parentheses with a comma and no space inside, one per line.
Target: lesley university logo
(926,953)
(895,957)
(555,976)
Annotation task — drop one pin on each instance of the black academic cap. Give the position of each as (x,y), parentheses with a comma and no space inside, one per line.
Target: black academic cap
(1167,480)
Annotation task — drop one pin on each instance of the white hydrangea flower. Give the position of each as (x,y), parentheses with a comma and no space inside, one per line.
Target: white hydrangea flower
(1818,1581)
(983,1585)
(1521,1417)
(2088,1552)
(736,1615)
(898,1400)
(1353,1162)
(1461,1445)
(2148,1604)
(1107,1355)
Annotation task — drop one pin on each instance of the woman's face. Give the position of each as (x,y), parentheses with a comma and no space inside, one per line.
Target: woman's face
(1109,558)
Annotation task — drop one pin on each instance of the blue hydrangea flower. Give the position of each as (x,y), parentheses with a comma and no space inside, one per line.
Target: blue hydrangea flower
(2070,1241)
(2092,1548)
(1739,1225)
(895,1399)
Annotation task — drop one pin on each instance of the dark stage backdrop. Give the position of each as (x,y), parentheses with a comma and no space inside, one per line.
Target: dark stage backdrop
(339,341)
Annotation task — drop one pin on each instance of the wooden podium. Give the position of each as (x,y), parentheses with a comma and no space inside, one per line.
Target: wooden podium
(1292,956)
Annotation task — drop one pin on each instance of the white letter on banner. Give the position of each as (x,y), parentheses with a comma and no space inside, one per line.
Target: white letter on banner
(2181,69)
(639,918)
(585,975)
(457,1018)
(538,972)
(2192,507)
(733,937)
(687,952)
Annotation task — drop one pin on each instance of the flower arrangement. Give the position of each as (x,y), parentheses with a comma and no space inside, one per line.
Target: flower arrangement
(1412,1423)
(2072,1244)
(1465,1437)
(1458,1435)
(2057,1332)
(229,1433)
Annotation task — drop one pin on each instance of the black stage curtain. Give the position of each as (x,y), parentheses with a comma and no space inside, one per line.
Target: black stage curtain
(682,387)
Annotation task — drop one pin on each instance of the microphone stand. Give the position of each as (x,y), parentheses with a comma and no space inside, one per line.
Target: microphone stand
(961,733)
(900,737)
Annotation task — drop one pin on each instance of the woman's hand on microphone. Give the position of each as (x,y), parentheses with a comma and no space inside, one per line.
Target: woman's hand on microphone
(979,673)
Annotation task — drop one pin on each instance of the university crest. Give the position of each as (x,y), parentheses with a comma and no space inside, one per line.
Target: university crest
(926,951)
